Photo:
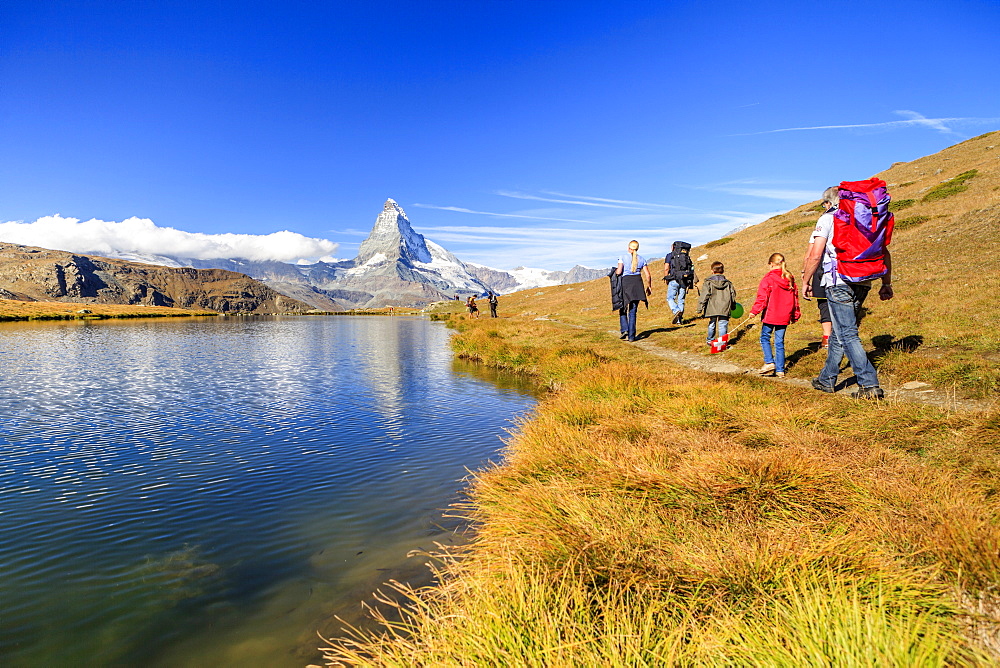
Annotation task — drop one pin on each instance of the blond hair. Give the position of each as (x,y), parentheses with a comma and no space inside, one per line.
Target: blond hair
(831,195)
(779,259)
(635,256)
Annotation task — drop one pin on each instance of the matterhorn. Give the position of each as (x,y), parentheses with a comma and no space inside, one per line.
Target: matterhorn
(395,265)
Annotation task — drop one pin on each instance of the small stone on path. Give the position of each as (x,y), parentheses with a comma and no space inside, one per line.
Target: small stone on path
(726,368)
(914,385)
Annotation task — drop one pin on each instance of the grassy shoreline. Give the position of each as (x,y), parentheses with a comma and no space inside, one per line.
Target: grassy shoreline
(647,514)
(12,310)
(15,310)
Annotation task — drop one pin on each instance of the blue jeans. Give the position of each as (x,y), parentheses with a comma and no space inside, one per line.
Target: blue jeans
(718,325)
(778,359)
(675,296)
(844,301)
(627,319)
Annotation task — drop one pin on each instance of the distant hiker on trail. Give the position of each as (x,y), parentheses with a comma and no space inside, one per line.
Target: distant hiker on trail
(716,301)
(678,272)
(778,300)
(471,305)
(631,283)
(493,304)
(850,246)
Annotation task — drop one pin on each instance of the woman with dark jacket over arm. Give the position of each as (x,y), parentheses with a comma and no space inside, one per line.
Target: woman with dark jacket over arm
(634,284)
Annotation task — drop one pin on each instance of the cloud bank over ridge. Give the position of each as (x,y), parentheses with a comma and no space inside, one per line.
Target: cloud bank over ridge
(143,236)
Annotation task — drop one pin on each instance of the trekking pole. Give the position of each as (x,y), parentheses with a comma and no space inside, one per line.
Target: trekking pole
(753,317)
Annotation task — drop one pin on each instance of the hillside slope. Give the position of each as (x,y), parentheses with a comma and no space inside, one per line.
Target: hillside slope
(940,326)
(649,514)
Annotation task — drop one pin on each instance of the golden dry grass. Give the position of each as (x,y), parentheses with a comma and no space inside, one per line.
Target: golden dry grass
(12,309)
(647,514)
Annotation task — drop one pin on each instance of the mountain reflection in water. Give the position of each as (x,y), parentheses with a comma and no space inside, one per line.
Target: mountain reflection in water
(208,492)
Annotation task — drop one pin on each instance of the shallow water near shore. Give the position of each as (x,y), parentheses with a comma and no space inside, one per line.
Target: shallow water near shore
(210,492)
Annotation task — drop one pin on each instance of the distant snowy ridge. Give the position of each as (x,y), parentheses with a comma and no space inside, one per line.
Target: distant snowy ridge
(395,265)
(525,278)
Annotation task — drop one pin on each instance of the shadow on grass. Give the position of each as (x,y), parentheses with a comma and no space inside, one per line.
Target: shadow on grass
(792,360)
(885,343)
(646,333)
(733,340)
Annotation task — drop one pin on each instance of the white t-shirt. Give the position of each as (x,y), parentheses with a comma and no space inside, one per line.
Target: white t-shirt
(824,230)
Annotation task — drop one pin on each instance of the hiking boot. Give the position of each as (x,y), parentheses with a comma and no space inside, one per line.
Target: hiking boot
(779,374)
(821,387)
(678,319)
(874,393)
(623,336)
(766,369)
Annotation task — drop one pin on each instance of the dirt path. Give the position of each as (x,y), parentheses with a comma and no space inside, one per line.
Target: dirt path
(914,391)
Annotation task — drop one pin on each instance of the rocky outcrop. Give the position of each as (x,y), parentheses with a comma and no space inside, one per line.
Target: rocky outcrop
(38,274)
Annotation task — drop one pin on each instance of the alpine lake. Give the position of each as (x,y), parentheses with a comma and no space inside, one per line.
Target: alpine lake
(218,491)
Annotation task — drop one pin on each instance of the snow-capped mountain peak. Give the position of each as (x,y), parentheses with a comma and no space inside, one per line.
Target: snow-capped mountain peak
(393,237)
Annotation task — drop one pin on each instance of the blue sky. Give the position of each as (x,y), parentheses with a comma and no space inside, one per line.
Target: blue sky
(541,133)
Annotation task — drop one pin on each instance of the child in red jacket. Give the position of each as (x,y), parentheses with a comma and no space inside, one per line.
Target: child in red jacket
(778,300)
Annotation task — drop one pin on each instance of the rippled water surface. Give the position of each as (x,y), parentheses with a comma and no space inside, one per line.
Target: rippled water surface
(210,492)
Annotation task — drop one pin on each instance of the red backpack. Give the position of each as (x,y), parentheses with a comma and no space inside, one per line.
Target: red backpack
(862,229)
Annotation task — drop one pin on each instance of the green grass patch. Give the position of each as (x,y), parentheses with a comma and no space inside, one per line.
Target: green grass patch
(900,204)
(951,186)
(911,221)
(969,373)
(794,227)
(718,242)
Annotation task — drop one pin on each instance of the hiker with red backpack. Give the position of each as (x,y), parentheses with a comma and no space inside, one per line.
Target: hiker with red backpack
(778,303)
(850,245)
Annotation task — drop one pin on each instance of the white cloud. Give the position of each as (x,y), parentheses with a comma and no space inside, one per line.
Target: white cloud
(562,247)
(650,205)
(559,240)
(588,201)
(764,190)
(143,236)
(459,209)
(913,119)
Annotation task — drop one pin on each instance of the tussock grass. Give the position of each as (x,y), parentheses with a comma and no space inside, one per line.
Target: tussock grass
(646,514)
(911,221)
(794,227)
(951,186)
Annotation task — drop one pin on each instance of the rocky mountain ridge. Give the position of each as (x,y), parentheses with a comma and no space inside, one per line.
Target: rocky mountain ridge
(38,274)
(395,265)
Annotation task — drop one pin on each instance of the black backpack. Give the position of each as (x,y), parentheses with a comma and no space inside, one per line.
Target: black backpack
(681,267)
